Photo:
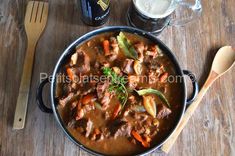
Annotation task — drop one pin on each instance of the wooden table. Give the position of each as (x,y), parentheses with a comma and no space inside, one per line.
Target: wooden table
(210,131)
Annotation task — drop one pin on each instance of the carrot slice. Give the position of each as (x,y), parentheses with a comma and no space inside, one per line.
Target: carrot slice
(145,144)
(106,47)
(88,99)
(96,131)
(140,139)
(70,73)
(116,111)
(163,77)
(136,136)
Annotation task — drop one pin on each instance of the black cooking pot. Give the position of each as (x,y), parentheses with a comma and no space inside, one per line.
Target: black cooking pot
(70,50)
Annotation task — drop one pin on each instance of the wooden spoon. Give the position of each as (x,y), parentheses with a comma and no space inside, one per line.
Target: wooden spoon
(223,61)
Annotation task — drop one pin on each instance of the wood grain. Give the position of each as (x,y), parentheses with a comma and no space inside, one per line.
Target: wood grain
(210,130)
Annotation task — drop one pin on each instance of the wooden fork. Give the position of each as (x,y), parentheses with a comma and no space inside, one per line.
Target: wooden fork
(35,22)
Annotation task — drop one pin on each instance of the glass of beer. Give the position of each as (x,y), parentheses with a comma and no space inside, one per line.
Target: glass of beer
(155,15)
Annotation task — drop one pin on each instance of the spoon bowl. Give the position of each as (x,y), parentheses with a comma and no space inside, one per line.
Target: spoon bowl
(224,60)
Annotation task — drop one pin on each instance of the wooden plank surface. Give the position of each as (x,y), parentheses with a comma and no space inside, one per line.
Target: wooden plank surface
(210,131)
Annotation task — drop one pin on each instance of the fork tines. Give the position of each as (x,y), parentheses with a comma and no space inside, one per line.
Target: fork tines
(37,10)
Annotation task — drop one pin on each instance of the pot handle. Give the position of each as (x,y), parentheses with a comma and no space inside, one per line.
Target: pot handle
(40,102)
(195,86)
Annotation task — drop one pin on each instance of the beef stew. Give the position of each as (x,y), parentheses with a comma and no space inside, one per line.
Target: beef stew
(117,98)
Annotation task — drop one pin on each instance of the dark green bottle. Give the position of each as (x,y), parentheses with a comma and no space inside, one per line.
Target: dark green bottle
(95,12)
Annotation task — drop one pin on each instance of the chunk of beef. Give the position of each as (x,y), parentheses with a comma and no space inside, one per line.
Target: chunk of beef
(152,51)
(128,66)
(133,81)
(100,137)
(133,141)
(139,47)
(74,58)
(140,50)
(74,86)
(66,100)
(89,107)
(59,90)
(101,88)
(126,112)
(90,90)
(120,128)
(106,115)
(82,109)
(72,123)
(106,64)
(112,57)
(103,94)
(93,136)
(83,62)
(132,99)
(80,113)
(152,77)
(114,45)
(106,100)
(105,132)
(97,65)
(89,43)
(156,72)
(149,122)
(138,108)
(163,111)
(139,128)
(97,135)
(123,130)
(73,105)
(141,117)
(156,66)
(89,126)
(86,125)
(98,49)
(114,49)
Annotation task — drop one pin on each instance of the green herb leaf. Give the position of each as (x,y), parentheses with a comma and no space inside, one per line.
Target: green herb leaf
(154,91)
(117,85)
(126,46)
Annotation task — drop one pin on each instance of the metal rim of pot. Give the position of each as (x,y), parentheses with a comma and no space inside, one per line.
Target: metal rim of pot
(90,35)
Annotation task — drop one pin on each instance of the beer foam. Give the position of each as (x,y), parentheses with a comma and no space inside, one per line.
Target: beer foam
(154,8)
